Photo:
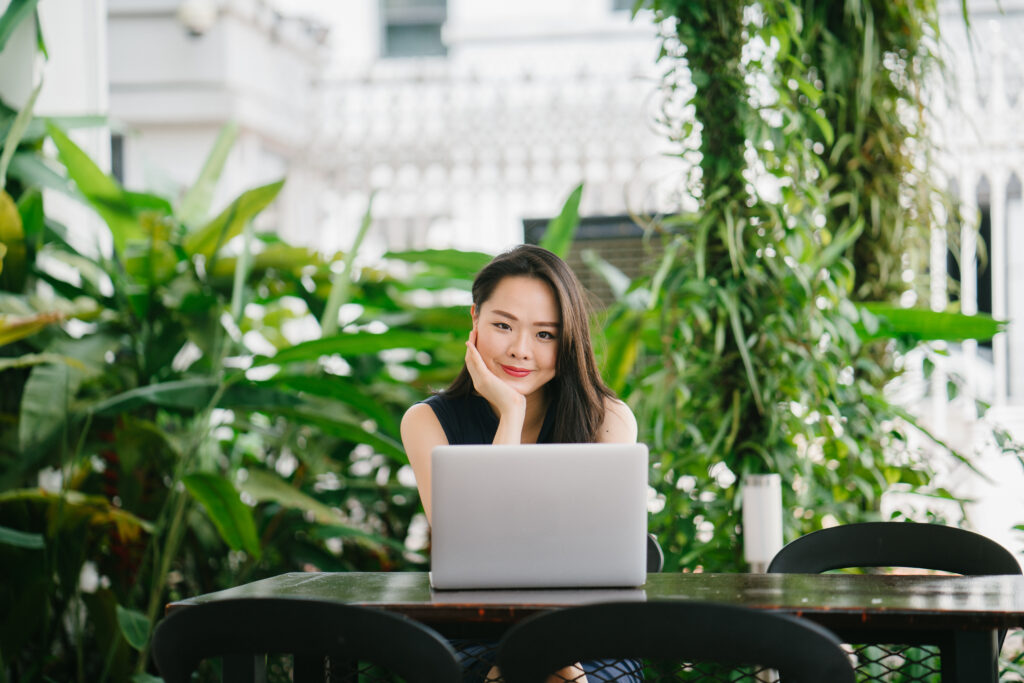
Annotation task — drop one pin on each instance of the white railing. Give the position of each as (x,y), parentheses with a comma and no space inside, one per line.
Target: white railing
(459,160)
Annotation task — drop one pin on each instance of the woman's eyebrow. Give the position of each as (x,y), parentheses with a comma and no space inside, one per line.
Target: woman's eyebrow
(506,314)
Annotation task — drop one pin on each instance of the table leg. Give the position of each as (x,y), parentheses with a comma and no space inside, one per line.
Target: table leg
(975,658)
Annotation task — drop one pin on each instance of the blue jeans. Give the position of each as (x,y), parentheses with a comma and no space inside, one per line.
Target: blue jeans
(477,658)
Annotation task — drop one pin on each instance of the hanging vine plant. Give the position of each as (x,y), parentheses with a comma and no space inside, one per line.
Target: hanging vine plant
(750,353)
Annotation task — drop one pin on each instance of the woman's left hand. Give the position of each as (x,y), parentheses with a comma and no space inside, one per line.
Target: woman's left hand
(507,401)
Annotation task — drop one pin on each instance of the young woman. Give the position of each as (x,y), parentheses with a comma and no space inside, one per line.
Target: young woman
(529,377)
(530,374)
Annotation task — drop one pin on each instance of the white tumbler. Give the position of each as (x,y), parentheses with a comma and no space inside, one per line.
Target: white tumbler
(762,519)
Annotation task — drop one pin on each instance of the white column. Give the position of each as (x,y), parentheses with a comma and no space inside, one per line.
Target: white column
(997,263)
(939,299)
(19,68)
(969,279)
(1015,299)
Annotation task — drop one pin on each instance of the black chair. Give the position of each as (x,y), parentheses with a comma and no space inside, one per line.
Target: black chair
(687,633)
(910,545)
(894,544)
(325,639)
(655,558)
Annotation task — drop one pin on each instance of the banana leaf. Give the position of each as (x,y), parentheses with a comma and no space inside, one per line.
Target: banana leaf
(561,229)
(232,518)
(353,344)
(881,321)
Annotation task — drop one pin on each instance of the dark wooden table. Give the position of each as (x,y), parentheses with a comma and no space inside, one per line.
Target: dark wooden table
(973,608)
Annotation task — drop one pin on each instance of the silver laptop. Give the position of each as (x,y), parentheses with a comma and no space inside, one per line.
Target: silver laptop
(539,516)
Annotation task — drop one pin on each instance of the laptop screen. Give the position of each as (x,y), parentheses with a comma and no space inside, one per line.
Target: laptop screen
(539,515)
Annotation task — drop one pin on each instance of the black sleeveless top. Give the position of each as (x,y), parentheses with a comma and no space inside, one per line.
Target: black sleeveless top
(470,420)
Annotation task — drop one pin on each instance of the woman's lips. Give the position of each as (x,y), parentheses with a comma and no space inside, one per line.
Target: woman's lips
(514,371)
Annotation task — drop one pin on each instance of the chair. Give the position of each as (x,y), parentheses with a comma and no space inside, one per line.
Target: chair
(689,632)
(655,558)
(316,633)
(894,544)
(904,544)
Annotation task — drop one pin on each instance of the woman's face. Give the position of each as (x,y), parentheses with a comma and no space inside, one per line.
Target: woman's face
(517,332)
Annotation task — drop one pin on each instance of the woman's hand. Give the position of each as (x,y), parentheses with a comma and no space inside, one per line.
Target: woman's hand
(509,403)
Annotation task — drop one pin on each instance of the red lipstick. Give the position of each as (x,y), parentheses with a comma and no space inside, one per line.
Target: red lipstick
(514,371)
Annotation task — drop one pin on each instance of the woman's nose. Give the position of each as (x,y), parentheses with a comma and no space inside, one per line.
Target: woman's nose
(520,347)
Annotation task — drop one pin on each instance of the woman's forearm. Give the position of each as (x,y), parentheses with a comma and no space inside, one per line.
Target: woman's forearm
(510,425)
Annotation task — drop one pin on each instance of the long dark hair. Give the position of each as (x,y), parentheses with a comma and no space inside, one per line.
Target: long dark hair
(577,393)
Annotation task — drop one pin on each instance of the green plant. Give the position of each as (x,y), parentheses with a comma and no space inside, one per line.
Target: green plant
(195,437)
(745,348)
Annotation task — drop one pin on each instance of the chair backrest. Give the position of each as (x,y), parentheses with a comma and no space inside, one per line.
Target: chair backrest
(655,558)
(303,628)
(800,650)
(894,544)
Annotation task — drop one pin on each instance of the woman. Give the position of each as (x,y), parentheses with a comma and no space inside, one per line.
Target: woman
(529,376)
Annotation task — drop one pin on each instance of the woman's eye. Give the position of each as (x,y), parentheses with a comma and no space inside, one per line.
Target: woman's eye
(502,326)
(546,335)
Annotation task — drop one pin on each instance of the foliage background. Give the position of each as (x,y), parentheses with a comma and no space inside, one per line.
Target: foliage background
(210,405)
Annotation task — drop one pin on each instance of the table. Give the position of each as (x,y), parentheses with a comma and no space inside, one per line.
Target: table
(973,608)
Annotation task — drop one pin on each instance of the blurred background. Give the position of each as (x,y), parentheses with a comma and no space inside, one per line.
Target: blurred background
(472,121)
(416,138)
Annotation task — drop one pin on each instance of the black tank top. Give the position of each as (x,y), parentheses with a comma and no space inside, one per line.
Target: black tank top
(470,420)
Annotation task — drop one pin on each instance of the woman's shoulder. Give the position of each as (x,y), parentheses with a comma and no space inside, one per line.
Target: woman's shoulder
(464,419)
(619,424)
(419,414)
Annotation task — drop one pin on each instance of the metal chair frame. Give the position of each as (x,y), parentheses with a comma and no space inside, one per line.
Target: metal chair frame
(802,651)
(322,637)
(912,545)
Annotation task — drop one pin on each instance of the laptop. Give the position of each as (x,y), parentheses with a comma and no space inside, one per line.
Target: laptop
(539,516)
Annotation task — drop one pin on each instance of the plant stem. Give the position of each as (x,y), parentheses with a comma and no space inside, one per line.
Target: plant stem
(161,569)
(179,505)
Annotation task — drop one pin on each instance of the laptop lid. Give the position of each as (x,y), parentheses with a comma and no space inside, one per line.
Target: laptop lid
(538,516)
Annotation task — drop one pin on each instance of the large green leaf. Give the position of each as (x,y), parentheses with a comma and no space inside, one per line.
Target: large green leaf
(228,224)
(101,191)
(96,509)
(265,486)
(44,403)
(560,230)
(340,389)
(15,133)
(341,282)
(13,328)
(465,263)
(17,11)
(21,539)
(196,394)
(241,274)
(349,431)
(33,171)
(134,627)
(187,393)
(925,325)
(30,359)
(354,344)
(195,205)
(231,517)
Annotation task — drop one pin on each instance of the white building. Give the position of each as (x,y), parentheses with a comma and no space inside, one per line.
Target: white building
(984,159)
(179,71)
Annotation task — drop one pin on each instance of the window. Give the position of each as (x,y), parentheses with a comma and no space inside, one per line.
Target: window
(117,156)
(412,28)
(983,266)
(616,239)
